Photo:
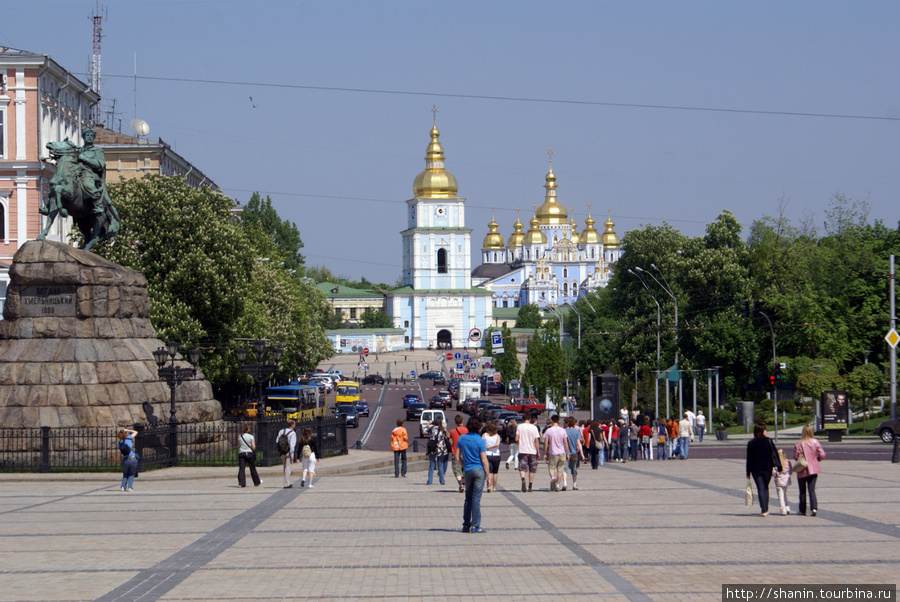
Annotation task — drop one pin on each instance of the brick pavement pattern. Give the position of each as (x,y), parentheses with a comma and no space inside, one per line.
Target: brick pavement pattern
(192,534)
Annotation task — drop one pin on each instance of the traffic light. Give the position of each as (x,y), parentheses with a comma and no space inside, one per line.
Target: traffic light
(776,373)
(745,309)
(757,309)
(772,381)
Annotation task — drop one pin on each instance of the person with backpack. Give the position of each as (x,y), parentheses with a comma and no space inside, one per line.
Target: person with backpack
(308,456)
(129,458)
(438,451)
(247,457)
(286,444)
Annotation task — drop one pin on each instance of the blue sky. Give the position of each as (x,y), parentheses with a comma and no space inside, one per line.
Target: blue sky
(342,92)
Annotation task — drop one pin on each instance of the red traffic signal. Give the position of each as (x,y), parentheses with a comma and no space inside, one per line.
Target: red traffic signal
(772,380)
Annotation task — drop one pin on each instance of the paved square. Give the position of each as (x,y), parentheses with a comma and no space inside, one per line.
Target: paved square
(639,531)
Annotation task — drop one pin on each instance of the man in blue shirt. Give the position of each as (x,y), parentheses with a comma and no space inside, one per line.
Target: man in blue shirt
(472,454)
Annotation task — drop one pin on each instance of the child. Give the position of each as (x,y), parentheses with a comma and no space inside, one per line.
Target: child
(782,480)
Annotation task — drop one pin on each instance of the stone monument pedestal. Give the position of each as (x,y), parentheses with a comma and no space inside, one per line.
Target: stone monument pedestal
(76,347)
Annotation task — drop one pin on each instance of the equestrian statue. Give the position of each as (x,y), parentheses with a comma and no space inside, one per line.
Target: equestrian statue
(78,189)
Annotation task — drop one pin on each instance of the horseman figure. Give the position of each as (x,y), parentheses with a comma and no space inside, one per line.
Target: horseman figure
(79,189)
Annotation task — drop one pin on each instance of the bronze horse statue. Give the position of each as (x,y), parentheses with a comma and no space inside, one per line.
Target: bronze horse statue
(68,196)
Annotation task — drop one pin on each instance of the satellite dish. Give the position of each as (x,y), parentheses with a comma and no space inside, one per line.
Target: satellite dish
(139,127)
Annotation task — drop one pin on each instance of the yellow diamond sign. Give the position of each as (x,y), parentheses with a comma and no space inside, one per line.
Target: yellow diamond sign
(892,338)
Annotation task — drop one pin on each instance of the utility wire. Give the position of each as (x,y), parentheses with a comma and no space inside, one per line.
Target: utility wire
(594,103)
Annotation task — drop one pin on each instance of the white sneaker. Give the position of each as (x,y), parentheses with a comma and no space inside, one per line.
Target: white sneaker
(122,489)
(311,486)
(130,489)
(574,486)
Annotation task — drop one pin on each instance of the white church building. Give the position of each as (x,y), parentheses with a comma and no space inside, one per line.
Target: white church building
(438,307)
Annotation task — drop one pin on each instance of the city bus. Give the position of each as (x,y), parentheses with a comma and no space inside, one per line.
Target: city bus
(347,391)
(300,402)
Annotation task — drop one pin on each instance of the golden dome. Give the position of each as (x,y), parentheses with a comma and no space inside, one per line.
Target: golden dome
(534,236)
(493,240)
(610,240)
(574,235)
(590,235)
(551,212)
(516,238)
(435,181)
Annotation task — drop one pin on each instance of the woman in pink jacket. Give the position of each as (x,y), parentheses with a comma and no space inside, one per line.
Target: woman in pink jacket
(810,447)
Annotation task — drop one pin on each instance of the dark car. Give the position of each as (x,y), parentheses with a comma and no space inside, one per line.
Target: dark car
(362,407)
(411,398)
(887,429)
(348,410)
(373,379)
(436,402)
(431,374)
(414,410)
(438,381)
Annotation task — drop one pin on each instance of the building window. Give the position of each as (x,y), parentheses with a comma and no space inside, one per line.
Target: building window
(406,339)
(442,261)
(565,272)
(2,221)
(2,137)
(338,312)
(406,325)
(574,289)
(505,303)
(565,288)
(352,313)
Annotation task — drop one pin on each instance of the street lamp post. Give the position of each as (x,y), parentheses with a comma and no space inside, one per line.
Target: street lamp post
(174,376)
(260,371)
(658,323)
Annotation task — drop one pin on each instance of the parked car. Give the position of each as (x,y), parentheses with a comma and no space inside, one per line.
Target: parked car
(411,398)
(427,418)
(887,429)
(431,374)
(248,409)
(414,410)
(362,407)
(484,411)
(348,410)
(373,379)
(490,387)
(438,381)
(335,374)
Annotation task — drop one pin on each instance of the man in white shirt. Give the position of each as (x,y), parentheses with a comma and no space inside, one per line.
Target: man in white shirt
(528,437)
(684,436)
(288,459)
(556,452)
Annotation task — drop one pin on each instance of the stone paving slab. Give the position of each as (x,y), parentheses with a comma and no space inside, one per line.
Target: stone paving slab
(640,531)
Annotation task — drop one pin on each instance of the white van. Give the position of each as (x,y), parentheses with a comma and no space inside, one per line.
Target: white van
(427,418)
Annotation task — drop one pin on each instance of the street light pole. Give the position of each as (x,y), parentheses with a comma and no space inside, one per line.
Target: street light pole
(260,371)
(174,376)
(658,347)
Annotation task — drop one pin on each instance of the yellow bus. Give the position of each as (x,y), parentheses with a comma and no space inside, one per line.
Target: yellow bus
(346,391)
(301,402)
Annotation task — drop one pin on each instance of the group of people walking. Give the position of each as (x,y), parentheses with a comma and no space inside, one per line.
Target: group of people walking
(301,450)
(765,460)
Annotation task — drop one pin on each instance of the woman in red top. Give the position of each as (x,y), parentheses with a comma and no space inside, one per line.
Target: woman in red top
(644,436)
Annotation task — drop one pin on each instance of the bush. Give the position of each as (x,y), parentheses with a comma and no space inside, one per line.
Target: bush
(766,404)
(787,405)
(722,417)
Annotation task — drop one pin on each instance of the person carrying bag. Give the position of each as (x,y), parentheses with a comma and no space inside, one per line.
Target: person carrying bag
(247,457)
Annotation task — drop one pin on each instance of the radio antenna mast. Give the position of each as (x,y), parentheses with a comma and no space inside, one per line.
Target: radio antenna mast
(97,18)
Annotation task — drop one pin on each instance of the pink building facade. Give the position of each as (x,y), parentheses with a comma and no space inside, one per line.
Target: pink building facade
(40,102)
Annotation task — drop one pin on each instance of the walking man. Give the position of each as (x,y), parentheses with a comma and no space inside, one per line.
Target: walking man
(556,453)
(528,437)
(472,454)
(288,459)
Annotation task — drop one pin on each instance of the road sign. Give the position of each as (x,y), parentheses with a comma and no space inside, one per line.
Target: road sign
(459,366)
(473,365)
(457,356)
(449,356)
(365,351)
(496,339)
(892,338)
(475,335)
(412,372)
(487,364)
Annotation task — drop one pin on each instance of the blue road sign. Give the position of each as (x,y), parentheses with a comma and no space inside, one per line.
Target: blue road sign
(459,366)
(496,338)
(456,356)
(412,372)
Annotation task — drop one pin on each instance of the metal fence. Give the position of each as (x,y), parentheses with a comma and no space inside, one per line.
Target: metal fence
(48,449)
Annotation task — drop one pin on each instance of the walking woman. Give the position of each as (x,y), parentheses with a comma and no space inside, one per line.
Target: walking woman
(597,445)
(247,457)
(812,450)
(762,457)
(492,445)
(129,458)
(661,439)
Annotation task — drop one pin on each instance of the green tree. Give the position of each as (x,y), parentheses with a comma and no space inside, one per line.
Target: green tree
(375,318)
(529,317)
(864,381)
(545,366)
(283,233)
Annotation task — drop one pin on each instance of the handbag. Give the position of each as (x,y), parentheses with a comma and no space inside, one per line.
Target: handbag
(661,440)
(748,495)
(800,464)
